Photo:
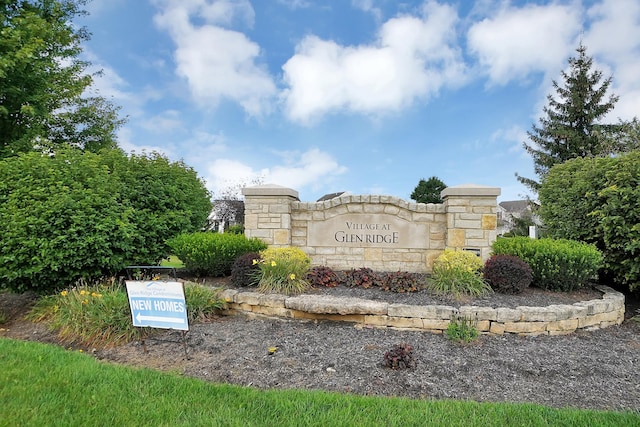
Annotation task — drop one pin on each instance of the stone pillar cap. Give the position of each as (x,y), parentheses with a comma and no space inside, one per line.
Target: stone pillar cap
(269,190)
(470,190)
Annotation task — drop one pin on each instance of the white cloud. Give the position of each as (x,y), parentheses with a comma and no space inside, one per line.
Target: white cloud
(518,41)
(614,36)
(368,6)
(217,63)
(514,136)
(312,168)
(164,122)
(413,57)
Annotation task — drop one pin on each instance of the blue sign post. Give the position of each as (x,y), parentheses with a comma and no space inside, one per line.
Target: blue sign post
(157,304)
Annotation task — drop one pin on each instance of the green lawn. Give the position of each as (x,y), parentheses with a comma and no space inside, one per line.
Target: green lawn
(172,261)
(45,385)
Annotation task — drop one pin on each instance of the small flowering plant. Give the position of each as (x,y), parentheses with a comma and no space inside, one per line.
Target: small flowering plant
(283,270)
(458,273)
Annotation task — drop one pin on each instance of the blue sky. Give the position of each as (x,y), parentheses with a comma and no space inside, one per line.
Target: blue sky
(365,96)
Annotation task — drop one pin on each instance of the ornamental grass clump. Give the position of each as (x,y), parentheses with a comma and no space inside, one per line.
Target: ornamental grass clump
(283,270)
(100,315)
(458,273)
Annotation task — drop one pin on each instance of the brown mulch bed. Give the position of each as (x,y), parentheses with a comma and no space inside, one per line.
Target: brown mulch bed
(588,369)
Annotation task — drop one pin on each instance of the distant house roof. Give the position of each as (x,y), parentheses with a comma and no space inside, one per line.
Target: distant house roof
(515,205)
(330,196)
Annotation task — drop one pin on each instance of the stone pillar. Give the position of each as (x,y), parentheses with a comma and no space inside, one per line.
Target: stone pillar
(267,213)
(471,212)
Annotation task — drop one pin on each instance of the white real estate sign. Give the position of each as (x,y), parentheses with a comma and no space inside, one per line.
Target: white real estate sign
(157,304)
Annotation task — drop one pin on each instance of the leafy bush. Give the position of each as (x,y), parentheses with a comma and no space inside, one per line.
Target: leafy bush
(362,277)
(462,329)
(559,265)
(507,274)
(402,281)
(283,270)
(322,276)
(244,271)
(212,254)
(235,229)
(457,273)
(99,315)
(202,302)
(594,200)
(399,357)
(83,215)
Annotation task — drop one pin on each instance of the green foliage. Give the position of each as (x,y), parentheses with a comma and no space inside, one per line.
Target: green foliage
(89,315)
(462,329)
(428,191)
(399,357)
(212,254)
(43,82)
(202,302)
(167,198)
(61,219)
(458,273)
(559,265)
(77,215)
(235,229)
(572,123)
(245,271)
(507,274)
(402,281)
(322,276)
(100,316)
(595,201)
(283,270)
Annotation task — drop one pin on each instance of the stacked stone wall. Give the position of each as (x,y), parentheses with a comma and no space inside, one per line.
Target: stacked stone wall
(383,233)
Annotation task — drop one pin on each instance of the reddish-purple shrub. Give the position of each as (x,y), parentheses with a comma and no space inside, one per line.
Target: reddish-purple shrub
(507,274)
(245,272)
(399,357)
(322,276)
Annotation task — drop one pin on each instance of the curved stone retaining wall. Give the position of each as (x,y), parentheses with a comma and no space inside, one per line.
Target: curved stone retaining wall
(549,320)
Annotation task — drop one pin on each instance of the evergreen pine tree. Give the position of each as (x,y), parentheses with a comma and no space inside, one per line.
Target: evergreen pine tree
(428,191)
(571,127)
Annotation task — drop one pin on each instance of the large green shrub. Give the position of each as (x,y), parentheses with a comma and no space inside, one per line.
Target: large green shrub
(79,215)
(560,265)
(212,254)
(595,200)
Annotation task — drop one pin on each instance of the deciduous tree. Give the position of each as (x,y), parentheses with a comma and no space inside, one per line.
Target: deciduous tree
(45,88)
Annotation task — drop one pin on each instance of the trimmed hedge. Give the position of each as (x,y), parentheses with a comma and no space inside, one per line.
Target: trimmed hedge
(212,254)
(559,265)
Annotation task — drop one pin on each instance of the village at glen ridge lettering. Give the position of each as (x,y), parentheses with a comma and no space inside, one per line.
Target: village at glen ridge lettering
(369,233)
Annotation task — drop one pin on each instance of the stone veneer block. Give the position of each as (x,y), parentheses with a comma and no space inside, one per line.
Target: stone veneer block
(477,312)
(425,312)
(435,324)
(489,222)
(569,325)
(228,294)
(504,315)
(537,314)
(526,327)
(456,238)
(335,305)
(272,300)
(405,322)
(250,298)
